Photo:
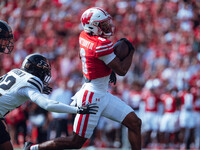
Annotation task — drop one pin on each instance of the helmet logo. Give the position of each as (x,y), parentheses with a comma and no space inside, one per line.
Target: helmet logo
(42,64)
(86,18)
(27,65)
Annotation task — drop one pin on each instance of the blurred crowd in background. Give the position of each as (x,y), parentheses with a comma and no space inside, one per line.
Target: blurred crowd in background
(163,81)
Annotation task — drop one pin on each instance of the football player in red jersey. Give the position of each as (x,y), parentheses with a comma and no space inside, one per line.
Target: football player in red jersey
(151,117)
(187,116)
(197,118)
(98,61)
(169,123)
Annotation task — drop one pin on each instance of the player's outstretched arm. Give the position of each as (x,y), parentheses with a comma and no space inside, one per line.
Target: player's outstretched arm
(54,106)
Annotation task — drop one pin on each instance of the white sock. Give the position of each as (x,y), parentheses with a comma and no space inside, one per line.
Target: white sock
(35,147)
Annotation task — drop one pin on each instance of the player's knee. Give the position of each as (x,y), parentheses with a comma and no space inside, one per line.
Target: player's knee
(133,122)
(138,122)
(136,125)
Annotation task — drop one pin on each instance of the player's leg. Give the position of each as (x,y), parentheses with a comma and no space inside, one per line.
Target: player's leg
(71,142)
(118,111)
(190,124)
(5,143)
(147,138)
(163,129)
(133,123)
(147,128)
(6,146)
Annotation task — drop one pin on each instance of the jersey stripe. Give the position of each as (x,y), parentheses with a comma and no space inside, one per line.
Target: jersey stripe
(108,45)
(36,83)
(87,116)
(104,49)
(81,116)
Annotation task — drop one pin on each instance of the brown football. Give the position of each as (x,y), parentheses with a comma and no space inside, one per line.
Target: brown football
(121,49)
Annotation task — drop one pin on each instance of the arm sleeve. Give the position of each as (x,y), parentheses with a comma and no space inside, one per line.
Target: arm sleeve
(107,58)
(45,103)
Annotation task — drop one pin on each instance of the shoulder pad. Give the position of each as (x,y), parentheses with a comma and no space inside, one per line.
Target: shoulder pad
(104,48)
(36,83)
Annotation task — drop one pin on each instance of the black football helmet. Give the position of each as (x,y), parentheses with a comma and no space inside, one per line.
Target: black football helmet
(6,38)
(37,65)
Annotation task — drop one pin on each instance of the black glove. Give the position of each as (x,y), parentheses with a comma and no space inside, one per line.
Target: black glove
(47,90)
(27,145)
(130,45)
(88,109)
(113,78)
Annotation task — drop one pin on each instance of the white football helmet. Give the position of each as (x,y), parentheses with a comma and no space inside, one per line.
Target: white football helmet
(97,21)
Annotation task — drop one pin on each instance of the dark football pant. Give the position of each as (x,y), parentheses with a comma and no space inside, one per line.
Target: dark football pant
(4,135)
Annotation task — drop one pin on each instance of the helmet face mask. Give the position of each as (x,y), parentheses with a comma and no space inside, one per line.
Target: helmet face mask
(6,38)
(106,26)
(6,46)
(38,66)
(97,21)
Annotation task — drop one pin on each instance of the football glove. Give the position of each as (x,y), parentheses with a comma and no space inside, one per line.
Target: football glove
(47,90)
(27,145)
(113,78)
(130,45)
(88,109)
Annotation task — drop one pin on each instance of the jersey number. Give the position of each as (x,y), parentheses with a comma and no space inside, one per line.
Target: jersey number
(7,82)
(151,103)
(169,103)
(84,65)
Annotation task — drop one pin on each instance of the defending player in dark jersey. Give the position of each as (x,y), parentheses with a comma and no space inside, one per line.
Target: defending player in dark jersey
(30,82)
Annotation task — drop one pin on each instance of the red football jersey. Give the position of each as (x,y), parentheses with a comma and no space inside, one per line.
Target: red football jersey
(135,98)
(151,102)
(197,104)
(187,99)
(169,103)
(92,47)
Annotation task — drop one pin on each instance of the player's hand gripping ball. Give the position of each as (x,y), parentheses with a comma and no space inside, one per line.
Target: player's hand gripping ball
(122,48)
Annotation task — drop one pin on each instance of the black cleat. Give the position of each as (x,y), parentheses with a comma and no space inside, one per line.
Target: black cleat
(27,145)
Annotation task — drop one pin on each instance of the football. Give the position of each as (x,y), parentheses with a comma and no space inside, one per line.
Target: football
(121,49)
